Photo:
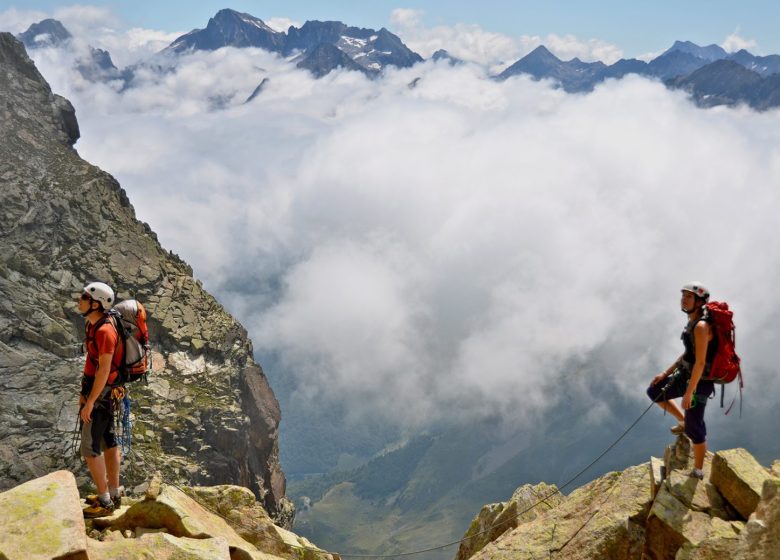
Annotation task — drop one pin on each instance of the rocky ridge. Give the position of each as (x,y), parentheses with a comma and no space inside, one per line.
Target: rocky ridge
(43,520)
(208,415)
(654,511)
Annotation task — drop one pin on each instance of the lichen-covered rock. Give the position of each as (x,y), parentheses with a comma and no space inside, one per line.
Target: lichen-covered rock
(159,546)
(603,519)
(181,516)
(740,478)
(496,519)
(672,524)
(208,415)
(699,495)
(248,518)
(41,519)
(761,538)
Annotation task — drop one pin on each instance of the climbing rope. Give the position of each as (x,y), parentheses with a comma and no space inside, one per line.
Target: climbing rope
(484,531)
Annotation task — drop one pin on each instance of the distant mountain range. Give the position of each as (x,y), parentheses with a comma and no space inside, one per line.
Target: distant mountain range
(321,46)
(710,74)
(51,33)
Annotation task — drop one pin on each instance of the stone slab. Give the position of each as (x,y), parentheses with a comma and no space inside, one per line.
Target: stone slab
(42,519)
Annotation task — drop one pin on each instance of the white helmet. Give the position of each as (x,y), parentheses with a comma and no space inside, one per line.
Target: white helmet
(697,289)
(100,292)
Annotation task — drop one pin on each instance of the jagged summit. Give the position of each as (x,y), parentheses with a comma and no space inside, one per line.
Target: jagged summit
(708,53)
(45,33)
(573,75)
(368,50)
(229,28)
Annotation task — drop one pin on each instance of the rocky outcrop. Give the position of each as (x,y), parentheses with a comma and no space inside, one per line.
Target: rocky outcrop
(208,415)
(603,519)
(740,479)
(527,503)
(42,520)
(654,512)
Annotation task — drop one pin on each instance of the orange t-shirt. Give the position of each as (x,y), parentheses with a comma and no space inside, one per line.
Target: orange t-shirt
(103,340)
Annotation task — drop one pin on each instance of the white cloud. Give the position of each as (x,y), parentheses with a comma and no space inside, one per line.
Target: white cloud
(472,43)
(462,247)
(17,21)
(735,42)
(97,27)
(568,46)
(281,24)
(84,20)
(406,17)
(649,56)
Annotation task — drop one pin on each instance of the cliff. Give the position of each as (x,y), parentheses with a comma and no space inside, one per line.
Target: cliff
(208,415)
(654,511)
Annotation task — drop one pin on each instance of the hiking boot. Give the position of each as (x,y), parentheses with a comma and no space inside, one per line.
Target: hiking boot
(92,500)
(697,473)
(99,509)
(679,429)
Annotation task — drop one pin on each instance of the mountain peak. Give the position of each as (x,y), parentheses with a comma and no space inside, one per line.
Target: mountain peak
(45,33)
(229,28)
(541,52)
(709,53)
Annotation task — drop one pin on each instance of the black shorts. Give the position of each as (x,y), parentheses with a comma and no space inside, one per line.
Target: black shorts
(695,428)
(98,435)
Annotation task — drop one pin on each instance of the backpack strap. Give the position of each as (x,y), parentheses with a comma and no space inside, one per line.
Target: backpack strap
(110,318)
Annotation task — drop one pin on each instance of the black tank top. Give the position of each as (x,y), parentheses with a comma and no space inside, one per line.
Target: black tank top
(690,349)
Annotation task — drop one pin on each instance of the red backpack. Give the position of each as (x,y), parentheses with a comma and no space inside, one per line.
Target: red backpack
(725,366)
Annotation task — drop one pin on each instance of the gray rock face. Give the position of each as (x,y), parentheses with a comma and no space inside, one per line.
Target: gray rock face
(325,58)
(208,415)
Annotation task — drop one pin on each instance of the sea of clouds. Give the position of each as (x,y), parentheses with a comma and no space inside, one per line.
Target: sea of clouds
(458,248)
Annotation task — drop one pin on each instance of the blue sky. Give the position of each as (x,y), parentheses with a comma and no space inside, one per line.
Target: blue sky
(635,27)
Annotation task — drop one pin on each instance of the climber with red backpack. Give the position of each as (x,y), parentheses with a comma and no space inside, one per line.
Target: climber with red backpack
(709,358)
(99,445)
(117,348)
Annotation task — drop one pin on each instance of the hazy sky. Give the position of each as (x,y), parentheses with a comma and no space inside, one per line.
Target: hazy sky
(635,28)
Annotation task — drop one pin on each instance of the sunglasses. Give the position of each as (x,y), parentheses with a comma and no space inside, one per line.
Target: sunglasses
(85,297)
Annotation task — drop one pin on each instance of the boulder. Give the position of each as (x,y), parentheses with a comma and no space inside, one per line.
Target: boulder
(160,546)
(603,519)
(671,524)
(239,508)
(739,478)
(761,538)
(42,519)
(699,495)
(716,548)
(496,519)
(183,517)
